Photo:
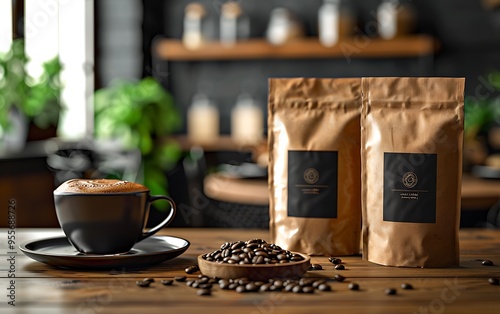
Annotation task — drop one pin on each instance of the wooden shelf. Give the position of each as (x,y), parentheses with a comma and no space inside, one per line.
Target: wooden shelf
(222,143)
(307,48)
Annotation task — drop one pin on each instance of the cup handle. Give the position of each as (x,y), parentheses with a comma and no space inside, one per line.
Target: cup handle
(165,222)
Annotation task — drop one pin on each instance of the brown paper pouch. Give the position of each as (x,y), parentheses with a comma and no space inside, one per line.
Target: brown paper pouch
(314,168)
(412,140)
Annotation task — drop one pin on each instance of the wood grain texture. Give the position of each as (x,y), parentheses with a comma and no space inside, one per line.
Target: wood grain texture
(43,289)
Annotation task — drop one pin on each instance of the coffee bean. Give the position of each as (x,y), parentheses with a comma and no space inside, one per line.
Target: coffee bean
(195,284)
(390,291)
(339,267)
(335,260)
(237,245)
(204,292)
(180,278)
(304,282)
(192,269)
(189,283)
(142,283)
(308,289)
(406,286)
(353,286)
(278,284)
(318,282)
(324,287)
(240,289)
(251,287)
(224,284)
(289,287)
(167,282)
(150,280)
(339,278)
(297,289)
(315,267)
(233,286)
(494,281)
(265,287)
(204,286)
(487,262)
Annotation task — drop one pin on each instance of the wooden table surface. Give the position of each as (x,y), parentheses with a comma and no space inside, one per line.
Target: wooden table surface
(43,289)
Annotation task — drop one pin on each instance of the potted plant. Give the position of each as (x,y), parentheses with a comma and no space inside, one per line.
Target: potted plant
(141,115)
(482,126)
(24,99)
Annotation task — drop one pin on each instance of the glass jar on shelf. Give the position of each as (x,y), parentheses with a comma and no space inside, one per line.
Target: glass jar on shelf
(203,120)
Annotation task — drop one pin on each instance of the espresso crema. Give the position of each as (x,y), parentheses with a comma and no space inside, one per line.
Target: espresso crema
(98,186)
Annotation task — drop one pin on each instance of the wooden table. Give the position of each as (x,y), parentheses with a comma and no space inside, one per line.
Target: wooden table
(42,289)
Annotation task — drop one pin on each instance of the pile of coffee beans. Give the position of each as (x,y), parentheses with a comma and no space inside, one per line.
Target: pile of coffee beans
(254,251)
(303,285)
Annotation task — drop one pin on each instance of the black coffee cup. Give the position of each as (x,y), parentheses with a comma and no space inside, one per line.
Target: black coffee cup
(106,216)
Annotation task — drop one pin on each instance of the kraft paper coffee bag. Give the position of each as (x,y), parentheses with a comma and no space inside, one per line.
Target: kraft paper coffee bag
(412,140)
(314,168)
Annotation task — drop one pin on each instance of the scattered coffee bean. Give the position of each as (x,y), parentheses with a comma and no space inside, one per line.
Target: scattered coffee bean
(339,278)
(255,251)
(240,289)
(308,289)
(315,267)
(335,260)
(265,287)
(353,286)
(150,280)
(494,281)
(324,287)
(204,286)
(189,283)
(192,269)
(390,291)
(297,289)
(406,286)
(142,283)
(167,282)
(304,282)
(251,287)
(487,262)
(204,292)
(180,278)
(340,267)
(317,283)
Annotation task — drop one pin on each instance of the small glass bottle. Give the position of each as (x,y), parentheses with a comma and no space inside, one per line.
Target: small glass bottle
(328,22)
(335,21)
(203,120)
(247,120)
(192,35)
(394,19)
(234,25)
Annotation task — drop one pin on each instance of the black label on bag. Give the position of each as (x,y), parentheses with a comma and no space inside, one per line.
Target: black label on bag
(312,184)
(410,187)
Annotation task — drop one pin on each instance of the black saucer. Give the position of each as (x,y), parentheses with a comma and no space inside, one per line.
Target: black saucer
(58,252)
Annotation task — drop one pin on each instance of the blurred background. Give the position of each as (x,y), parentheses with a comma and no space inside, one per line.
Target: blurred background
(173,94)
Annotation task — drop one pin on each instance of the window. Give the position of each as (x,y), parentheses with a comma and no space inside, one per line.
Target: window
(64,28)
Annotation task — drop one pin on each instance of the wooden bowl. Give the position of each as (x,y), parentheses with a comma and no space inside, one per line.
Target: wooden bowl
(255,271)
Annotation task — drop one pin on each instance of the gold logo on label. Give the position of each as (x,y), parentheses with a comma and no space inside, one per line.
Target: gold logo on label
(410,179)
(311,175)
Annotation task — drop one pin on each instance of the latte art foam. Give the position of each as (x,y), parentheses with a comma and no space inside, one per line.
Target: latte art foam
(99,186)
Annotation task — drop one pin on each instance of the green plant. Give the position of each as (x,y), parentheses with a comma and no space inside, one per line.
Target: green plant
(482,113)
(38,99)
(140,115)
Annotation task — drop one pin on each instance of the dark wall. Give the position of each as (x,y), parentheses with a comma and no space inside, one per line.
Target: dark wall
(468,32)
